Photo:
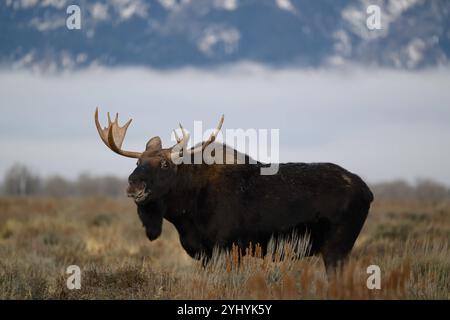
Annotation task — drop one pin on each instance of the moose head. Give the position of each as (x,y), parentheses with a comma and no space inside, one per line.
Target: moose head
(155,173)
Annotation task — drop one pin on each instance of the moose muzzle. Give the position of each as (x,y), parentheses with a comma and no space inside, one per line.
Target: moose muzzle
(138,191)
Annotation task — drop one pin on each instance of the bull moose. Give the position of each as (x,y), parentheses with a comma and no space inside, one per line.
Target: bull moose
(221,205)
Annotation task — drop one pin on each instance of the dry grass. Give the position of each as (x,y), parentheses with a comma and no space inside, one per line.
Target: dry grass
(40,237)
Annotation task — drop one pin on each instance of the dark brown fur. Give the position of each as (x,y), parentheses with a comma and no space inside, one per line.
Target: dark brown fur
(221,205)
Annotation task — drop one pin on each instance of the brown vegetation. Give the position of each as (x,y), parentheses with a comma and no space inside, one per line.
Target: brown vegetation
(40,237)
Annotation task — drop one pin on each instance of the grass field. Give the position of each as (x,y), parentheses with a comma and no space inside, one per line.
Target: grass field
(40,237)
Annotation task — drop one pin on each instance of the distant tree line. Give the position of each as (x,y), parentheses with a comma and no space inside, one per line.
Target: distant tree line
(20,180)
(423,189)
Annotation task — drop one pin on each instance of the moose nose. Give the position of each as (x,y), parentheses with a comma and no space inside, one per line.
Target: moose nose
(130,192)
(135,188)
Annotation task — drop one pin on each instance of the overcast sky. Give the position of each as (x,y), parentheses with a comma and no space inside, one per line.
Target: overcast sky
(380,124)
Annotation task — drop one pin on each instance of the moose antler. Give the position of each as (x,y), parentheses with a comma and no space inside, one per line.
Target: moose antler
(113,135)
(185,135)
(204,144)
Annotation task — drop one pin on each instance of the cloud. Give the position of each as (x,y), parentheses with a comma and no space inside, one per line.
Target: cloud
(381,124)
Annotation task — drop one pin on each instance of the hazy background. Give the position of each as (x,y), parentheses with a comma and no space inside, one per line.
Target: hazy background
(379,123)
(377,103)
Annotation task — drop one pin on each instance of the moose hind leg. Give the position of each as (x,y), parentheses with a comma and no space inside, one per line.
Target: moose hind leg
(335,251)
(341,239)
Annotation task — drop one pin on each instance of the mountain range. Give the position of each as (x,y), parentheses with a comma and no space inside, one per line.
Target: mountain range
(167,34)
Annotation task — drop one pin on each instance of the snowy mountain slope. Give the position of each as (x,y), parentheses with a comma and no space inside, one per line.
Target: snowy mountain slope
(170,33)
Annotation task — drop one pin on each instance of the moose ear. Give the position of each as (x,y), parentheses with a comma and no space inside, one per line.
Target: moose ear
(154,144)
